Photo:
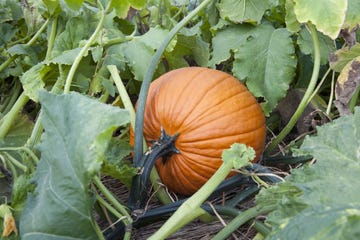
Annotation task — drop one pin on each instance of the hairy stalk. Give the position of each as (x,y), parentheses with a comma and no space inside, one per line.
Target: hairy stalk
(190,209)
(307,95)
(85,49)
(138,148)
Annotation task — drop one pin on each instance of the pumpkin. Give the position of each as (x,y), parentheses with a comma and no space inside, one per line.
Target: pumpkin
(210,110)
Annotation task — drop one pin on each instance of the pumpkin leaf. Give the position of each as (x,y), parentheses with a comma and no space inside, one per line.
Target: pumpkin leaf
(77,132)
(266,58)
(34,79)
(352,19)
(74,4)
(347,84)
(327,15)
(247,10)
(291,21)
(320,201)
(239,154)
(305,43)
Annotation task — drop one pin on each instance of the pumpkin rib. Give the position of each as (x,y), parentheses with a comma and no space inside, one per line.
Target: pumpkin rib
(166,83)
(207,112)
(219,134)
(178,173)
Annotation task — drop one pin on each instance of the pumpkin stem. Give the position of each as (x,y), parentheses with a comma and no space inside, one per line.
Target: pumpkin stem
(164,147)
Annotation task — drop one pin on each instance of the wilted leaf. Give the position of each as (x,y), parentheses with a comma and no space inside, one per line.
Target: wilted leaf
(9,225)
(77,132)
(343,56)
(346,85)
(327,15)
(245,10)
(266,58)
(320,201)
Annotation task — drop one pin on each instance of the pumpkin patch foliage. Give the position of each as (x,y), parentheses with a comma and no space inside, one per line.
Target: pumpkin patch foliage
(118,116)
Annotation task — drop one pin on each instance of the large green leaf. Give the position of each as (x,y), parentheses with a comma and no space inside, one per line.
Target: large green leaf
(266,58)
(243,10)
(228,40)
(77,132)
(327,15)
(321,201)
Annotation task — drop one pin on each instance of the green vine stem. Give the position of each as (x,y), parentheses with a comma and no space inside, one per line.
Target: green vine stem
(307,95)
(241,219)
(191,209)
(127,235)
(85,48)
(9,118)
(161,194)
(51,38)
(31,41)
(115,203)
(38,129)
(138,148)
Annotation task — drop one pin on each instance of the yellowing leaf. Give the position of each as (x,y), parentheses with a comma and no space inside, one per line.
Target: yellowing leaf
(9,225)
(327,15)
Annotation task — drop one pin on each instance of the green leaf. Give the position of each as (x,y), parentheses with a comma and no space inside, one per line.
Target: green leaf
(245,10)
(77,29)
(352,15)
(74,4)
(343,56)
(23,49)
(53,6)
(137,4)
(320,201)
(266,58)
(327,15)
(32,80)
(292,23)
(143,46)
(121,7)
(19,132)
(305,43)
(239,154)
(67,57)
(228,40)
(77,132)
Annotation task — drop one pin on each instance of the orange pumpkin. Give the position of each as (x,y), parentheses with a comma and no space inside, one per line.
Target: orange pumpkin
(210,110)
